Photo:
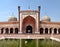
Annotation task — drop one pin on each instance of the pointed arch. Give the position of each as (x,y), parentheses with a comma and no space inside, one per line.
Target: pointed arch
(11,30)
(46,30)
(16,30)
(41,30)
(28,21)
(6,31)
(59,31)
(2,30)
(55,30)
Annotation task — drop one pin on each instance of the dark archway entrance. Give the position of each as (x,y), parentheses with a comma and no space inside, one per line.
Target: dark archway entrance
(55,31)
(46,30)
(7,31)
(16,30)
(11,30)
(2,30)
(29,29)
(41,30)
(59,31)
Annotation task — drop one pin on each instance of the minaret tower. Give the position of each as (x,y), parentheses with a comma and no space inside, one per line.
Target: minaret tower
(19,16)
(39,18)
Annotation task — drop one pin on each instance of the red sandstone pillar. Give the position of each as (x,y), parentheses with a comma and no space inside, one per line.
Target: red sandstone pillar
(19,16)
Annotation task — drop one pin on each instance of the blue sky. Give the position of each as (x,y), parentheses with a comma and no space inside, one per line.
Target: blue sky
(48,7)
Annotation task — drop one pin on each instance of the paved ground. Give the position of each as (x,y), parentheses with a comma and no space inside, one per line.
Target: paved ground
(29,36)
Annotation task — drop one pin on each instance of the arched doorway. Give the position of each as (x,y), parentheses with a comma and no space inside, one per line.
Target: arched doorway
(59,31)
(16,30)
(2,30)
(29,22)
(6,31)
(41,30)
(29,29)
(46,30)
(11,30)
(55,31)
(50,30)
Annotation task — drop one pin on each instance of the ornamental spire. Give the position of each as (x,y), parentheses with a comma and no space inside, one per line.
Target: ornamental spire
(29,7)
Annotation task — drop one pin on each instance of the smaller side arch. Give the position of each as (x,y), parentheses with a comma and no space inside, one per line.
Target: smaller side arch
(55,30)
(59,31)
(6,31)
(2,30)
(50,30)
(16,30)
(46,30)
(41,30)
(11,30)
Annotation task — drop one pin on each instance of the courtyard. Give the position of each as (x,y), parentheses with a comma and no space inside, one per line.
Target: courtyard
(29,43)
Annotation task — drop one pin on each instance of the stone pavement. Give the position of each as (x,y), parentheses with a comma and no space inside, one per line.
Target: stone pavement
(29,36)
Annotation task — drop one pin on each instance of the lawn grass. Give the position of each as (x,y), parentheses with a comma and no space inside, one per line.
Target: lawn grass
(48,43)
(29,43)
(9,43)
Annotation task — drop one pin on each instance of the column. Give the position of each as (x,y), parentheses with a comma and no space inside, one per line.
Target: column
(0,30)
(57,31)
(13,30)
(48,31)
(9,30)
(20,30)
(36,27)
(4,31)
(52,30)
(44,31)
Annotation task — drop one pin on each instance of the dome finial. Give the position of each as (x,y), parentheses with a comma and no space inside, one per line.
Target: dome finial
(12,13)
(29,7)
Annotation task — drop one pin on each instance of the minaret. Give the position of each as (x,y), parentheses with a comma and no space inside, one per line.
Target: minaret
(29,7)
(39,11)
(19,16)
(39,18)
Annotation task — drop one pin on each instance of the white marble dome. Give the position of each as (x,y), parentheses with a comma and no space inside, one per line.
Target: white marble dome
(46,18)
(12,18)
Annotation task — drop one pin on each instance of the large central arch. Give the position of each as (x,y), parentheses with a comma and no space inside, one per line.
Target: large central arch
(28,21)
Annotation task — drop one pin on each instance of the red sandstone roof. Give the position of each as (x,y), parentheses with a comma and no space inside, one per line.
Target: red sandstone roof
(29,11)
(49,22)
(16,22)
(12,22)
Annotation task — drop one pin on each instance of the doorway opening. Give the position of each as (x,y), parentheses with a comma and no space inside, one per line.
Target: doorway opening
(29,29)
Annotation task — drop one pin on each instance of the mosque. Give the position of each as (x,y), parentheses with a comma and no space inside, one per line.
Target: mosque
(29,23)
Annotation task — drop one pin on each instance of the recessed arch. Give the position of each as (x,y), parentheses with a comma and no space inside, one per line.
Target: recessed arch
(55,30)
(11,30)
(6,31)
(46,30)
(41,30)
(2,30)
(59,31)
(28,21)
(29,29)
(28,16)
(16,30)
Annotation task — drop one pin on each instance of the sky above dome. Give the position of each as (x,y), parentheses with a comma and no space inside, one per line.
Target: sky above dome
(48,7)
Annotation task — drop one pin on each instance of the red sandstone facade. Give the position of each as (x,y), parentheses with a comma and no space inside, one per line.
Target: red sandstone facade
(29,23)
